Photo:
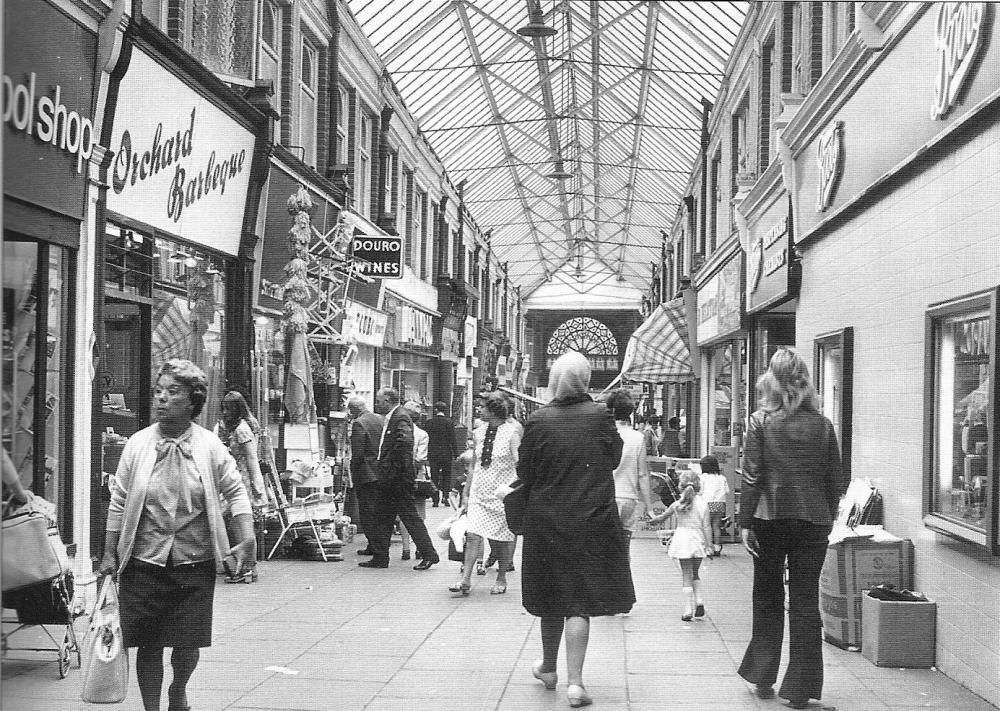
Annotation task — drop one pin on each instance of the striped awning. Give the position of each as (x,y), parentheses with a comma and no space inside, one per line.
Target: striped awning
(659,351)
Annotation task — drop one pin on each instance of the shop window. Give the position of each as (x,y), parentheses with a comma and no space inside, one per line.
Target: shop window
(308,91)
(959,416)
(721,402)
(833,373)
(36,367)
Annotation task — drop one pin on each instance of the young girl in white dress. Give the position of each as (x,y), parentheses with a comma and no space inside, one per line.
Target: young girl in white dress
(691,540)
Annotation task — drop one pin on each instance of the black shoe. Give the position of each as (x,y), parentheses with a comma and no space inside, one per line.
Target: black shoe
(373,564)
(434,504)
(426,563)
(798,703)
(406,555)
(366,551)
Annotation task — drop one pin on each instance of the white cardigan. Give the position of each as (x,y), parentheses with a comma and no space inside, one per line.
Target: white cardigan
(128,494)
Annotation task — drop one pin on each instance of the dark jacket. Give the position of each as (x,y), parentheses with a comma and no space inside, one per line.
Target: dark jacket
(365,433)
(395,460)
(441,447)
(791,465)
(575,555)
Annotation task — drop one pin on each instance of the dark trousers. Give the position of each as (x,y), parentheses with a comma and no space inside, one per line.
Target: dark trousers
(366,515)
(803,545)
(390,501)
(441,476)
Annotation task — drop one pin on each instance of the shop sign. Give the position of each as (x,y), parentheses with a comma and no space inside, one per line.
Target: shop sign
(47,106)
(181,165)
(363,324)
(410,326)
(957,39)
(830,162)
(719,303)
(471,334)
(451,345)
(768,265)
(378,256)
(47,118)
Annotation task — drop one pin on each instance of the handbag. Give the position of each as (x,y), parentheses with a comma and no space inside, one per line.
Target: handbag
(424,488)
(105,657)
(29,553)
(514,505)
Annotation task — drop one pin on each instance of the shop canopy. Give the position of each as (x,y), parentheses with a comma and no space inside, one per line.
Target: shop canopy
(659,350)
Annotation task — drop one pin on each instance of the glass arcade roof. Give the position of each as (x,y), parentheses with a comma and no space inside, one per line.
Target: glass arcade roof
(575,148)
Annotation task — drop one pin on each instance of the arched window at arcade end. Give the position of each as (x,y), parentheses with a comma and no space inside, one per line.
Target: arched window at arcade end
(589,337)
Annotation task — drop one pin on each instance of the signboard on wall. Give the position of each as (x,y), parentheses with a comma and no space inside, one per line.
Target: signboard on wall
(182,165)
(363,324)
(769,259)
(719,303)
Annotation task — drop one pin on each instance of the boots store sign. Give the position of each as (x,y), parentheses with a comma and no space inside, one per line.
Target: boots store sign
(181,164)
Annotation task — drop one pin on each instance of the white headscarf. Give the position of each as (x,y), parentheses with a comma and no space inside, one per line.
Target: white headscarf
(569,376)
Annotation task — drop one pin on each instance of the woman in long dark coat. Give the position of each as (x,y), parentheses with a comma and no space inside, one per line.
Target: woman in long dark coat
(575,555)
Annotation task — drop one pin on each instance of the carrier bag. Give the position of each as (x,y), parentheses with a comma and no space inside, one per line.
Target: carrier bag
(29,553)
(105,657)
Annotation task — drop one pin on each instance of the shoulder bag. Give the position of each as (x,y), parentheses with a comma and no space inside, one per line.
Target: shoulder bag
(105,657)
(515,504)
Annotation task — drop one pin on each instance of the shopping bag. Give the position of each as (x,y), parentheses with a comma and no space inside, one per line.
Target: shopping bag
(444,528)
(29,555)
(105,657)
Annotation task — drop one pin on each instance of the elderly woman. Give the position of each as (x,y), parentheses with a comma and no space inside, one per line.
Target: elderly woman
(575,555)
(792,484)
(165,533)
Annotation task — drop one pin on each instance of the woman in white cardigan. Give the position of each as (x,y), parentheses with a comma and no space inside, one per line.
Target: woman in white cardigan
(165,534)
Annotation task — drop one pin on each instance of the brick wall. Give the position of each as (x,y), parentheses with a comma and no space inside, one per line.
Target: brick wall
(934,238)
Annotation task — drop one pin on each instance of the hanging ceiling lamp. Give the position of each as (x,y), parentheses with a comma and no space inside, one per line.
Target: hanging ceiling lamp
(536,26)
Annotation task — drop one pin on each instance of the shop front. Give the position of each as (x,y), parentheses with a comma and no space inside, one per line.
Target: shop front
(176,242)
(896,219)
(722,350)
(772,274)
(409,361)
(48,142)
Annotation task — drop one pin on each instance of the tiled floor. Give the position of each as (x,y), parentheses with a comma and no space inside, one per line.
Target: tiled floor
(315,636)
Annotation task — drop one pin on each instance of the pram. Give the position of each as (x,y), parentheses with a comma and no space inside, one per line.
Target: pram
(40,605)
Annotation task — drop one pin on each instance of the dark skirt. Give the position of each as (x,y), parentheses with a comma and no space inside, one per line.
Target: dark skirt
(167,607)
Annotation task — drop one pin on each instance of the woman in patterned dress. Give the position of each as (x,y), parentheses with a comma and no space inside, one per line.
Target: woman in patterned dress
(497,441)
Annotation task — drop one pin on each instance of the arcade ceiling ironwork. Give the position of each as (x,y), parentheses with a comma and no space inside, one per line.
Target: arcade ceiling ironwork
(573,123)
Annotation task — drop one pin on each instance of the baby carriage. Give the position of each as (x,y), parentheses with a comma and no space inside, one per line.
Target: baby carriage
(37,603)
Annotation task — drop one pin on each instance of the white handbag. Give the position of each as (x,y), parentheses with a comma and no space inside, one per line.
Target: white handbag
(105,657)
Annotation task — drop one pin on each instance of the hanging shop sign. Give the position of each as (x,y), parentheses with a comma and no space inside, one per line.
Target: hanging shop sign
(182,165)
(451,345)
(48,95)
(378,256)
(363,324)
(957,39)
(771,276)
(943,55)
(719,303)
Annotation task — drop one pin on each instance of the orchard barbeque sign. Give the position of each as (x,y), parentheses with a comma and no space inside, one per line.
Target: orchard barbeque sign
(181,163)
(170,153)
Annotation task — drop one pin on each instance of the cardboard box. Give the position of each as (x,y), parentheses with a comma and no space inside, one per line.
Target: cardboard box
(898,634)
(852,567)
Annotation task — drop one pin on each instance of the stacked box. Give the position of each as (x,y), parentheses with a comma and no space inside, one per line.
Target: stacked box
(898,634)
(852,567)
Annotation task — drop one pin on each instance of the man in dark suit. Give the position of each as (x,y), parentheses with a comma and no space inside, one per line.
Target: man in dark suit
(366,430)
(441,450)
(393,488)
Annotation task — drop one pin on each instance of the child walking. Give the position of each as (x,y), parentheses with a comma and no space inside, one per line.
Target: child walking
(690,542)
(714,489)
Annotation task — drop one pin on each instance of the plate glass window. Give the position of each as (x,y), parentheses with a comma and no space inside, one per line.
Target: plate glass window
(962,427)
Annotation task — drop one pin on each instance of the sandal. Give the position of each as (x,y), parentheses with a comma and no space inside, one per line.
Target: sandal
(460,587)
(480,568)
(498,589)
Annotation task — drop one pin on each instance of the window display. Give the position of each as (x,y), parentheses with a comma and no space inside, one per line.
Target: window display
(961,427)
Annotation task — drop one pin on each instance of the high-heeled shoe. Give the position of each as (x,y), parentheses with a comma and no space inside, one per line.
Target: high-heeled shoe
(699,610)
(461,587)
(480,568)
(550,679)
(578,696)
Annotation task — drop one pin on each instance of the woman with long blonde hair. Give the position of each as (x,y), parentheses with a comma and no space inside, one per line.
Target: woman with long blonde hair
(792,485)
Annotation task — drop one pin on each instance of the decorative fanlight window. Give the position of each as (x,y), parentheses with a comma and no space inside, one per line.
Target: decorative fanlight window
(587,336)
